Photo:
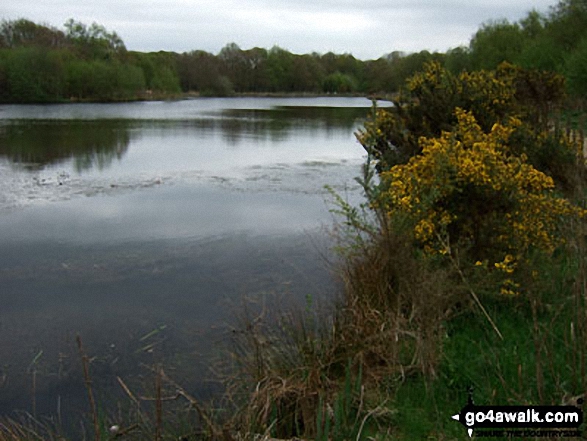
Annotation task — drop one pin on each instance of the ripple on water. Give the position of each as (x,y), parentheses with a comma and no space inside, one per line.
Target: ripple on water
(22,187)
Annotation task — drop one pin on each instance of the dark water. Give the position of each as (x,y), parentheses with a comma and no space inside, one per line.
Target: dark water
(143,227)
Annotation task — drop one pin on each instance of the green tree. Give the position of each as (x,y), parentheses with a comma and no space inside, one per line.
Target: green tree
(338,82)
(533,25)
(33,74)
(306,75)
(22,32)
(378,77)
(130,81)
(165,80)
(576,70)
(567,23)
(94,42)
(461,164)
(458,60)
(280,67)
(427,107)
(198,71)
(495,43)
(255,76)
(159,71)
(542,53)
(234,66)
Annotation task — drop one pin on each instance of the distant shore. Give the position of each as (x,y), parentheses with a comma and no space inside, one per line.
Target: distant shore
(146,96)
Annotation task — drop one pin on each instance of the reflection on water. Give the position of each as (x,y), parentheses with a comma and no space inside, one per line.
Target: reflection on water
(90,144)
(58,152)
(117,220)
(35,143)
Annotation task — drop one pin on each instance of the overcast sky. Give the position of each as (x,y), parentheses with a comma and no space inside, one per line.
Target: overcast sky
(365,28)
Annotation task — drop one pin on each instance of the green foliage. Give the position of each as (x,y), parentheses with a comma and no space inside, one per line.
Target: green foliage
(42,64)
(32,74)
(165,80)
(199,71)
(576,70)
(427,107)
(159,70)
(23,33)
(338,82)
(457,60)
(102,80)
(551,42)
(548,42)
(452,182)
(280,67)
(480,186)
(95,41)
(495,43)
(341,420)
(567,23)
(541,53)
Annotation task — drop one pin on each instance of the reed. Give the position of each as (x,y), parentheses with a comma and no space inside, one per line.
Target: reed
(88,385)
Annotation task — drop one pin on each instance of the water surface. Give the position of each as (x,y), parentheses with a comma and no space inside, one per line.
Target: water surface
(142,227)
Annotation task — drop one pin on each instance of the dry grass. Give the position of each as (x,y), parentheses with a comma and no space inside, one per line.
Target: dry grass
(25,427)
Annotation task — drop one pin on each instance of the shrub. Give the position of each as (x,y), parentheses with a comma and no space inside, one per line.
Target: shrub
(428,103)
(467,190)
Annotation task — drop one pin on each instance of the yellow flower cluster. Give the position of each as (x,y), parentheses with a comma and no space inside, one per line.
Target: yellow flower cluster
(509,288)
(490,93)
(432,74)
(493,91)
(375,131)
(436,187)
(463,177)
(508,265)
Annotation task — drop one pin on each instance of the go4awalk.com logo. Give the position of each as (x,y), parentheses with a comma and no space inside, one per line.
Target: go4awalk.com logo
(540,421)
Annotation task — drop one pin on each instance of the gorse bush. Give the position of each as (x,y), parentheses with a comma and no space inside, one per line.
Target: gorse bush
(484,184)
(476,166)
(466,189)
(427,107)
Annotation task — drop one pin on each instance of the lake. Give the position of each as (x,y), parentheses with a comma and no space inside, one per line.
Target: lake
(146,227)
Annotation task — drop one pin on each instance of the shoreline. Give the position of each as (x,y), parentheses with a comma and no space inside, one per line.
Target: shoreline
(197,95)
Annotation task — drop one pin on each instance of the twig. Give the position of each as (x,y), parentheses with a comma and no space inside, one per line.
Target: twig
(378,410)
(88,383)
(126,431)
(465,281)
(216,434)
(34,391)
(162,399)
(127,390)
(158,404)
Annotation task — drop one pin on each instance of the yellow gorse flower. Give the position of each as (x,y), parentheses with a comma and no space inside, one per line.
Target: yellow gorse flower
(430,187)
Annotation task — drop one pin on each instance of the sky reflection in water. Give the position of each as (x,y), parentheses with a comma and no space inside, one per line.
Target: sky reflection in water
(118,219)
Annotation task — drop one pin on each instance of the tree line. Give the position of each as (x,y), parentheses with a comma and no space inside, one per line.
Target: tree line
(40,63)
(44,64)
(554,41)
